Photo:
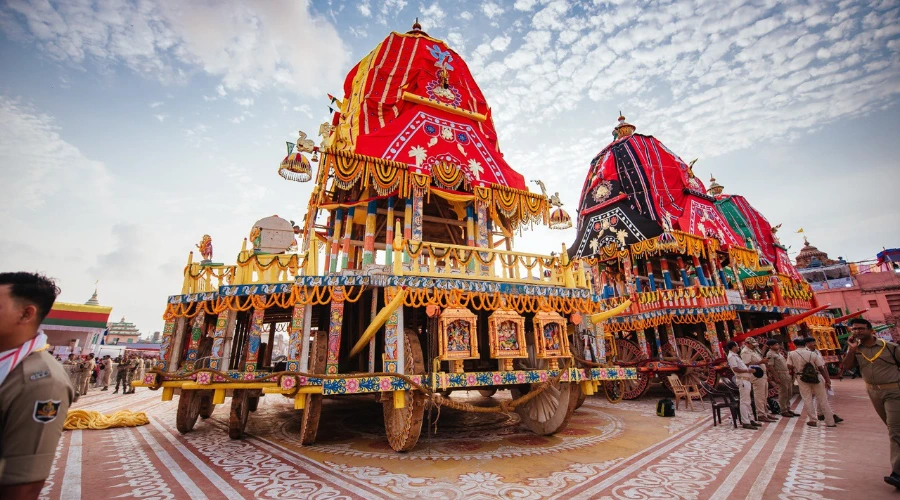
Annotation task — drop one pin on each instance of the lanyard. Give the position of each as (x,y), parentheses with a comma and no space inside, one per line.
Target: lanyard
(877,354)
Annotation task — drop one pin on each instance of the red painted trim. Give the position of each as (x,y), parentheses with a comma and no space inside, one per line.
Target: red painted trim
(78,316)
(784,322)
(851,315)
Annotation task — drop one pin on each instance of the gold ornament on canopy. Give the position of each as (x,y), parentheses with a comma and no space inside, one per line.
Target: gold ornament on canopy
(295,167)
(559,218)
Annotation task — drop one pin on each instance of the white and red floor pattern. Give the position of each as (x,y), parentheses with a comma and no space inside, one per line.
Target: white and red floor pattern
(609,451)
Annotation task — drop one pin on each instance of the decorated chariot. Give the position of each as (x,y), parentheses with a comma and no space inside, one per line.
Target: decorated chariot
(698,267)
(402,282)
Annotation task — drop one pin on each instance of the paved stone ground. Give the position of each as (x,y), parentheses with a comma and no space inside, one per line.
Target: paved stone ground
(608,452)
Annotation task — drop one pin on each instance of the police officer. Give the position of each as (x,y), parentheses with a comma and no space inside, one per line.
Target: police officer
(130,369)
(35,391)
(878,365)
(107,372)
(87,368)
(751,355)
(120,374)
(780,375)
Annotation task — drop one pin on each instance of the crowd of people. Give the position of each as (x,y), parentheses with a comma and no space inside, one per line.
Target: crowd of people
(875,360)
(756,368)
(87,371)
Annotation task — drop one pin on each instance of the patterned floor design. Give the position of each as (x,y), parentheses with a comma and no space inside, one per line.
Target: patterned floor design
(608,452)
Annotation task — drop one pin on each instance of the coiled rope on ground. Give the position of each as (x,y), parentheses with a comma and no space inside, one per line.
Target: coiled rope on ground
(90,419)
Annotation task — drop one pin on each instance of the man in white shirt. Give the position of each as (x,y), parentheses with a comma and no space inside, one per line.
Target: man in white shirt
(742,376)
(813,387)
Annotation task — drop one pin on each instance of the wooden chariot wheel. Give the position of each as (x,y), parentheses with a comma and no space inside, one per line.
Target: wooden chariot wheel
(548,412)
(581,397)
(309,421)
(403,425)
(188,411)
(487,393)
(240,412)
(629,353)
(206,404)
(692,351)
(614,390)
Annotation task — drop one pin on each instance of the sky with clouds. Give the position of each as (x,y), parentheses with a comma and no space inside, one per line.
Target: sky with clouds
(130,129)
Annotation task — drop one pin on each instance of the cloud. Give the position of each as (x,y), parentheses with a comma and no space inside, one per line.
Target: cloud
(38,165)
(491,9)
(244,101)
(305,109)
(161,117)
(249,44)
(156,104)
(364,9)
(432,16)
(121,259)
(758,72)
(197,136)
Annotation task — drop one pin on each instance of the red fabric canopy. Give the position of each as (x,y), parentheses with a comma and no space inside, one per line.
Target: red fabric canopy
(659,184)
(763,237)
(413,100)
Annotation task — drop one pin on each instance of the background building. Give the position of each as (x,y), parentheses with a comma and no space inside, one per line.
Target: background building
(852,287)
(122,332)
(76,328)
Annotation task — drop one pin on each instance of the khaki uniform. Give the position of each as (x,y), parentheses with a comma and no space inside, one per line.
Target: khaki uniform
(139,371)
(107,372)
(882,377)
(760,385)
(87,368)
(809,392)
(34,400)
(779,368)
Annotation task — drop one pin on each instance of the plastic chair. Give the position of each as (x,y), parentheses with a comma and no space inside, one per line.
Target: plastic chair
(718,400)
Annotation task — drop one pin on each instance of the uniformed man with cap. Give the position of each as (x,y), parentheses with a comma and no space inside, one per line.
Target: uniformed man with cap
(781,377)
(87,368)
(878,365)
(35,391)
(813,389)
(751,355)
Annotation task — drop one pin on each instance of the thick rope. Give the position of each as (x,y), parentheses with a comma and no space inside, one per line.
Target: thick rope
(90,419)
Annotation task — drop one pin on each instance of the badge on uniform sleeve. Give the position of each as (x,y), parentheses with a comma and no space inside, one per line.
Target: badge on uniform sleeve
(46,411)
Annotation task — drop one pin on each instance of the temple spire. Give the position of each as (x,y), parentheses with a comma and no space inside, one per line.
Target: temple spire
(622,129)
(715,189)
(93,301)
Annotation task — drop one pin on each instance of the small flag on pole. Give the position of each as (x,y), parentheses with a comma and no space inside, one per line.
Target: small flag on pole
(290,147)
(800,230)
